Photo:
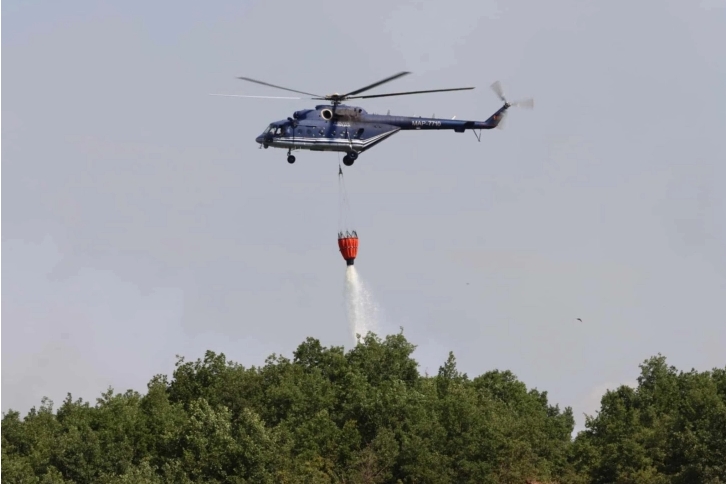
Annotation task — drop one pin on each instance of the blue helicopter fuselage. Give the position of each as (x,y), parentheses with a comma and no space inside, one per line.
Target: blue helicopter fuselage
(352,129)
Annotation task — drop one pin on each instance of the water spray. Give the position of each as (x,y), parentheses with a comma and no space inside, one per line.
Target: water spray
(362,310)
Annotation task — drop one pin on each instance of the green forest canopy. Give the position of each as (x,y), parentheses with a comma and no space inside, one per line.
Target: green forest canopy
(368,416)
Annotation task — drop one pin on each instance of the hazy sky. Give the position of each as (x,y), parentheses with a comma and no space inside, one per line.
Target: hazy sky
(140,220)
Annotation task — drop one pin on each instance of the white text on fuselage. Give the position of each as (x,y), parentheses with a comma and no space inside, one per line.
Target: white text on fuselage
(423,122)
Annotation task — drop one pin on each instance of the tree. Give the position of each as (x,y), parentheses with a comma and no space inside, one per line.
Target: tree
(368,416)
(670,429)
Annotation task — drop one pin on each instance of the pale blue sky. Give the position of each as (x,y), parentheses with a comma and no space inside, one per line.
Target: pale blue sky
(141,221)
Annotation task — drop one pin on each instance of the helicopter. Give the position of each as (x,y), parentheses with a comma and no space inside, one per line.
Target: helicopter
(351,129)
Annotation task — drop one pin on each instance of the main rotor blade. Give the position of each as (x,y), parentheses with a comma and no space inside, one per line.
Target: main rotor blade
(277,87)
(376,84)
(259,97)
(410,92)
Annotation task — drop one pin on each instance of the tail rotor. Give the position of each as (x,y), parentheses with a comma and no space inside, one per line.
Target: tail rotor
(527,103)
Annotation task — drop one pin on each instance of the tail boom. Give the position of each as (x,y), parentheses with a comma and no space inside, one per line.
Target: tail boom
(407,123)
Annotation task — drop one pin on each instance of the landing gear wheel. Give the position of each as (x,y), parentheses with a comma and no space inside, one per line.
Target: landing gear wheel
(347,160)
(290,159)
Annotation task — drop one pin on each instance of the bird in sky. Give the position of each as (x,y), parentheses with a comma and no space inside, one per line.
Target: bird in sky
(580,320)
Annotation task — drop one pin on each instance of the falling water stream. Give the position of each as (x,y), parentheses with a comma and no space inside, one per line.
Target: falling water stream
(363,312)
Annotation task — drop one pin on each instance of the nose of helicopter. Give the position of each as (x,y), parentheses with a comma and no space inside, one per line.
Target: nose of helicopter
(259,139)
